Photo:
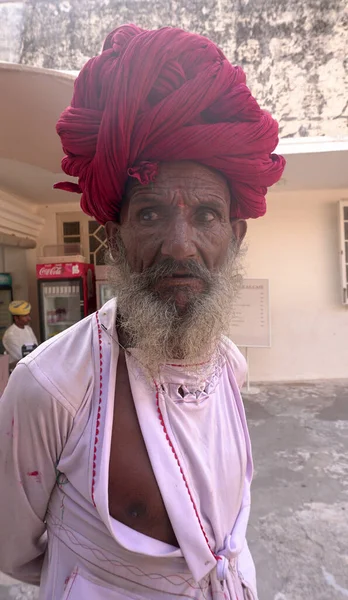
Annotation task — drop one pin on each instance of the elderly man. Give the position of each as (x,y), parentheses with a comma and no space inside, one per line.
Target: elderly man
(125,458)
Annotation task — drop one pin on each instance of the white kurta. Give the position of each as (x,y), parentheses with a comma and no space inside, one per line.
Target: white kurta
(16,337)
(55,436)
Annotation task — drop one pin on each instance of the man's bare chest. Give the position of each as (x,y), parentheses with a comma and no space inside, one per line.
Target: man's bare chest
(134,496)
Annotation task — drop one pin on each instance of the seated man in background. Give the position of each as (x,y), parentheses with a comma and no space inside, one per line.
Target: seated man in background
(20,333)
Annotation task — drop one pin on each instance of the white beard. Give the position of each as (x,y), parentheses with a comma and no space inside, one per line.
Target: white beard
(155,327)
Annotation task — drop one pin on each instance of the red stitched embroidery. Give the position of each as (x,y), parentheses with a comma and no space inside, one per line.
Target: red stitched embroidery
(163,427)
(99,404)
(182,472)
(192,365)
(97,553)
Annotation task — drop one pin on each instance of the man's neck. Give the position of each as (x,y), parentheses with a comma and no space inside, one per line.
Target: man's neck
(123,337)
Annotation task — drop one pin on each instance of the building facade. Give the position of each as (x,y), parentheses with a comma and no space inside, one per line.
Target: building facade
(295,57)
(294,53)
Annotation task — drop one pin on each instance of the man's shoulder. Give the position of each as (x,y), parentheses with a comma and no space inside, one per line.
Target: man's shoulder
(29,328)
(9,331)
(236,359)
(65,364)
(64,341)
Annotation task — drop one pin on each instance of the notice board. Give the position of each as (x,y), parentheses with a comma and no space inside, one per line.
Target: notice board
(250,326)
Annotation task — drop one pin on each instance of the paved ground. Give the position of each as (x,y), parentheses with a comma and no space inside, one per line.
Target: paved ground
(299,526)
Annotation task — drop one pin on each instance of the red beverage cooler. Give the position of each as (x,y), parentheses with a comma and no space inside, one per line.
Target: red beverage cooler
(66,295)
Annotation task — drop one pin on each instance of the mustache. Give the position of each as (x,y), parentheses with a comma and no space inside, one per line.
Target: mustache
(169,267)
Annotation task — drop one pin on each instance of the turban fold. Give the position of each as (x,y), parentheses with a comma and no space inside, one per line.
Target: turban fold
(161,96)
(19,308)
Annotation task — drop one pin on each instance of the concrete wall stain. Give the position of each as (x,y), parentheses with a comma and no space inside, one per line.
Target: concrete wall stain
(294,54)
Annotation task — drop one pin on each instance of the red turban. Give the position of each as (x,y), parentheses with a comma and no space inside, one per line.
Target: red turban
(164,95)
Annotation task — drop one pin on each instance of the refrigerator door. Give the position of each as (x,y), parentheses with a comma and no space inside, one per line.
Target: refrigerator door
(5,316)
(104,293)
(61,305)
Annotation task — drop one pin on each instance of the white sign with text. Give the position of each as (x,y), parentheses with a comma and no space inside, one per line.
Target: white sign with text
(250,326)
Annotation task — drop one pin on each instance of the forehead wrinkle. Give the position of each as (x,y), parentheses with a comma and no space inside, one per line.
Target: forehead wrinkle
(180,197)
(158,187)
(194,184)
(189,182)
(141,195)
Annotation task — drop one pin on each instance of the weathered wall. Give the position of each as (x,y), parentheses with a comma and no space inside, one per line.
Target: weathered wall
(11,30)
(295,53)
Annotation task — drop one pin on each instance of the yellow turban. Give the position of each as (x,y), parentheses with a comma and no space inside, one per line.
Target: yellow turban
(19,308)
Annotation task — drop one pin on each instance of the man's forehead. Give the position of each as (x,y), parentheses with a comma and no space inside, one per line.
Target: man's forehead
(186,175)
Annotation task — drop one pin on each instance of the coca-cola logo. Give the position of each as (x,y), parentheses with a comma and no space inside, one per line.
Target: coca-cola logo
(49,271)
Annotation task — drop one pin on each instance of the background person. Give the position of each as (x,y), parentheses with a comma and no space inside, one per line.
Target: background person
(20,333)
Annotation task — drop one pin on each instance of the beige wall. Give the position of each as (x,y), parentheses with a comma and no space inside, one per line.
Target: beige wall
(296,247)
(17,262)
(13,260)
(48,235)
(19,218)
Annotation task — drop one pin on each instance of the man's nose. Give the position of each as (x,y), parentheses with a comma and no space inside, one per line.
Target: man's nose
(179,240)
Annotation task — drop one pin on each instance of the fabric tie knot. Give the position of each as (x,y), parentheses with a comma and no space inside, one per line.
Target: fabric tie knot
(222,568)
(227,557)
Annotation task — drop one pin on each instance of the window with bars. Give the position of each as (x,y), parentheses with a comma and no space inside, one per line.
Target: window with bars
(71,232)
(77,228)
(97,243)
(343,225)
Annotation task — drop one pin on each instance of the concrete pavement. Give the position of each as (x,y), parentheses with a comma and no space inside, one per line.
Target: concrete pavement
(298,532)
(299,525)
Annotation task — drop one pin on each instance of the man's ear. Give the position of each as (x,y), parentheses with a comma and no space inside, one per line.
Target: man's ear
(239,228)
(112,229)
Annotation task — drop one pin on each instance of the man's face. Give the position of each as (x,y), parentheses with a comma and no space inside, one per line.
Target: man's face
(173,264)
(22,321)
(180,222)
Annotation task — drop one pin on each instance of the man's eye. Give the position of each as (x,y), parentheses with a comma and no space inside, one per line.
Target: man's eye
(148,215)
(206,216)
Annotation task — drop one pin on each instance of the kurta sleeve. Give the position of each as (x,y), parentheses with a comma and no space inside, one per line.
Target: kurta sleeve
(12,346)
(34,426)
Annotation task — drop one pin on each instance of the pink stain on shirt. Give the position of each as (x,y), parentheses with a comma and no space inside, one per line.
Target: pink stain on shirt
(35,474)
(10,433)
